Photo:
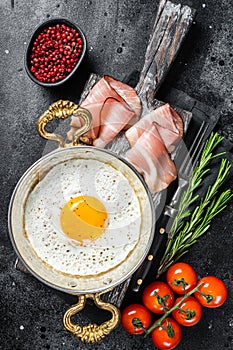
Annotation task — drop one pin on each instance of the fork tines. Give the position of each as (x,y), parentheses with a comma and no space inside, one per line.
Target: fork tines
(194,152)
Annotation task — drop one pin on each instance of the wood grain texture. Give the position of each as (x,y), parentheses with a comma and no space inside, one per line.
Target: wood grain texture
(170,28)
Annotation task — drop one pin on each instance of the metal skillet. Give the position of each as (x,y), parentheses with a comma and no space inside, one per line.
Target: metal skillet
(84,287)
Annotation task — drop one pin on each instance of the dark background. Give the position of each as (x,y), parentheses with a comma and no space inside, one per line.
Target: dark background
(117,33)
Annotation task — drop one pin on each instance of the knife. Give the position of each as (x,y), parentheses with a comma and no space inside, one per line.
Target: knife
(164,224)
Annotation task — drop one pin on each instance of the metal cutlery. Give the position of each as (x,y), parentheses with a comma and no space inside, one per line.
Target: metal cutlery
(164,225)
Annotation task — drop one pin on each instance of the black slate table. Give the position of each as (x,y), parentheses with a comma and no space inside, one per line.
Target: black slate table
(117,34)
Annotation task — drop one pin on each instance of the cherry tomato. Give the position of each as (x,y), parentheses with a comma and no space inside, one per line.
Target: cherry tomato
(157,296)
(168,336)
(189,312)
(213,292)
(181,277)
(135,318)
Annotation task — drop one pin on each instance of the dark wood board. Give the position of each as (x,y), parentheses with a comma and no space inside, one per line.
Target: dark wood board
(200,112)
(171,25)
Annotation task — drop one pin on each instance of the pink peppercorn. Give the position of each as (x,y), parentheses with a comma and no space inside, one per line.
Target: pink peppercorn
(55,52)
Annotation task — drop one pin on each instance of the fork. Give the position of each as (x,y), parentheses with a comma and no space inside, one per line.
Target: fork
(166,220)
(186,169)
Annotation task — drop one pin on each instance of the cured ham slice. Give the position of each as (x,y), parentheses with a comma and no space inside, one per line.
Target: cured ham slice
(108,101)
(76,122)
(169,125)
(111,121)
(151,159)
(115,106)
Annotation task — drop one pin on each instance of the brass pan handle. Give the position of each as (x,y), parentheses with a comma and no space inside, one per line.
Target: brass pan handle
(91,333)
(62,110)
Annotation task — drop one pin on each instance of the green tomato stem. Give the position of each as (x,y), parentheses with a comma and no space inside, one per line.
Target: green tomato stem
(176,306)
(208,297)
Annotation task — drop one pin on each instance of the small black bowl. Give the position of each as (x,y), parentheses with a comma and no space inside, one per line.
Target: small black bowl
(38,30)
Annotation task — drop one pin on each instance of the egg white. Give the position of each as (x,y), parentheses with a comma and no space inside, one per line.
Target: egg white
(74,178)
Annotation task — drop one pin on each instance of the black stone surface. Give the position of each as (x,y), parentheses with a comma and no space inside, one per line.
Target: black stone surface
(117,33)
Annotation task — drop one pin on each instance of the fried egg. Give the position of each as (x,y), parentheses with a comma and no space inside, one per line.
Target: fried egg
(83,218)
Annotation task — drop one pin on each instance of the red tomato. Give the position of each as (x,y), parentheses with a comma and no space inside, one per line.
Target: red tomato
(157,295)
(168,338)
(189,312)
(213,292)
(135,318)
(180,277)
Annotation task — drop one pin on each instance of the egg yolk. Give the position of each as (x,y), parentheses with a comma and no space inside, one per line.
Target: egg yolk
(83,218)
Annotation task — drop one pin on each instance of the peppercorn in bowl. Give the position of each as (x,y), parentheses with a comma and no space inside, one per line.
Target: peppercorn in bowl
(55,52)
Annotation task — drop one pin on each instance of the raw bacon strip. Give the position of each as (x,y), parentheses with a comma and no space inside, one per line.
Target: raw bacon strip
(111,121)
(76,122)
(95,110)
(150,157)
(127,93)
(108,90)
(169,124)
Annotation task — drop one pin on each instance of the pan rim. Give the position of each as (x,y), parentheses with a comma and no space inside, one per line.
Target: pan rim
(77,291)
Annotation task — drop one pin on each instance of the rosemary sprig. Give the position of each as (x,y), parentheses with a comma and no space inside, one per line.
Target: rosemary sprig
(188,227)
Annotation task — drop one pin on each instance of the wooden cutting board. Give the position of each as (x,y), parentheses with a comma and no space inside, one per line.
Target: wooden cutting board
(199,112)
(171,25)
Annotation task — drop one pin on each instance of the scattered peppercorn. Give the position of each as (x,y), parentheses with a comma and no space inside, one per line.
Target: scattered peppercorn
(55,52)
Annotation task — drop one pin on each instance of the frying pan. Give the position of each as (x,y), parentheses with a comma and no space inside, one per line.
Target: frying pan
(84,287)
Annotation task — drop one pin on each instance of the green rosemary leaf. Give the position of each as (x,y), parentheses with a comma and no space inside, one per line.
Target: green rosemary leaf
(189,226)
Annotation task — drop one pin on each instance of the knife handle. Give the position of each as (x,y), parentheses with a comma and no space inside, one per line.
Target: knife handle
(155,253)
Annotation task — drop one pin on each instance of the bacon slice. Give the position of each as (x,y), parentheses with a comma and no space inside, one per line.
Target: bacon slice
(169,125)
(111,121)
(127,93)
(151,159)
(76,122)
(109,100)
